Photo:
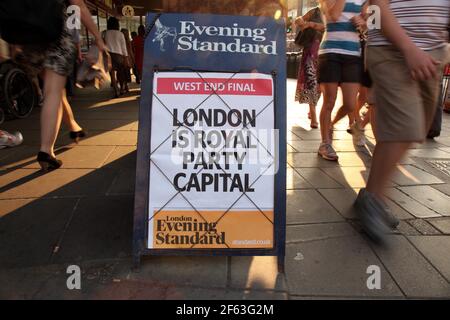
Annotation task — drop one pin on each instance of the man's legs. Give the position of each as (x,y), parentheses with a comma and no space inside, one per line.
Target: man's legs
(385,158)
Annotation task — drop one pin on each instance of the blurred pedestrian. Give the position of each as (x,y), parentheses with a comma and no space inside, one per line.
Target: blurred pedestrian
(56,62)
(339,64)
(138,47)
(357,124)
(405,59)
(130,59)
(117,48)
(308,91)
(135,69)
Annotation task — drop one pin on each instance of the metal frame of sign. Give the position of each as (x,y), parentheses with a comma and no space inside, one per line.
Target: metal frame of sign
(196,62)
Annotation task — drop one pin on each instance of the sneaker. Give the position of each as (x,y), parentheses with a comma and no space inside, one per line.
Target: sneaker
(358,134)
(372,216)
(8,140)
(327,152)
(385,212)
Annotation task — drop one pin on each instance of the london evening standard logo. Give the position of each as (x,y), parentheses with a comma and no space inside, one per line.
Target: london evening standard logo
(232,39)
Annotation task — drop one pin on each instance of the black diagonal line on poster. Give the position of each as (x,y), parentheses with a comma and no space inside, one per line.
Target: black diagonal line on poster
(184,197)
(187,116)
(245,125)
(240,197)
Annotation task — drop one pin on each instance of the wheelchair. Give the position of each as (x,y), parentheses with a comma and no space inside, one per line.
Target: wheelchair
(18,96)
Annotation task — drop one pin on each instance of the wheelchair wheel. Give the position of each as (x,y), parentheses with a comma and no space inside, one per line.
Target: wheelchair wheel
(19,94)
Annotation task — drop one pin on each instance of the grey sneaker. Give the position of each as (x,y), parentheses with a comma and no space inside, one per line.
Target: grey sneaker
(8,140)
(372,217)
(385,211)
(327,152)
(358,134)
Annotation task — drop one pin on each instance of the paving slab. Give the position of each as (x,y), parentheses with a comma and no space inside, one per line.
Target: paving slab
(260,273)
(122,157)
(20,285)
(22,183)
(335,267)
(406,229)
(110,138)
(180,293)
(412,272)
(307,206)
(296,181)
(29,230)
(79,157)
(101,228)
(428,144)
(316,232)
(306,146)
(406,175)
(292,136)
(431,198)
(109,125)
(317,178)
(423,227)
(309,160)
(410,205)
(444,188)
(428,153)
(436,250)
(349,177)
(33,138)
(354,159)
(18,157)
(343,200)
(443,140)
(442,224)
(99,115)
(304,134)
(203,272)
(124,182)
(290,149)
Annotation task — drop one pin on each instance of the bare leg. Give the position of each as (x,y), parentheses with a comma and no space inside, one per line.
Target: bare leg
(51,112)
(68,117)
(313,116)
(329,91)
(349,95)
(385,158)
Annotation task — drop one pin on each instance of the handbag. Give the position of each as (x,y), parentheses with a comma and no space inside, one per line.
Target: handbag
(306,37)
(28,22)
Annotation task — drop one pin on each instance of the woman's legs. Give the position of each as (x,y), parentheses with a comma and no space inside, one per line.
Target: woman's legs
(349,95)
(68,117)
(51,112)
(329,91)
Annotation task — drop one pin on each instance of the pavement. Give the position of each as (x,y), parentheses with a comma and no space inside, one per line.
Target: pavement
(82,215)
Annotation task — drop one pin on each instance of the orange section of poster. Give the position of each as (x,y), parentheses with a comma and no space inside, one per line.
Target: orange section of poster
(240,229)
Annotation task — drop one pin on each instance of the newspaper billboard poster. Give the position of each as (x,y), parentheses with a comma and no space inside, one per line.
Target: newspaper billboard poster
(212,161)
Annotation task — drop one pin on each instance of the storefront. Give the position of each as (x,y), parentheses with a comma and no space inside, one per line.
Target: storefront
(101,10)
